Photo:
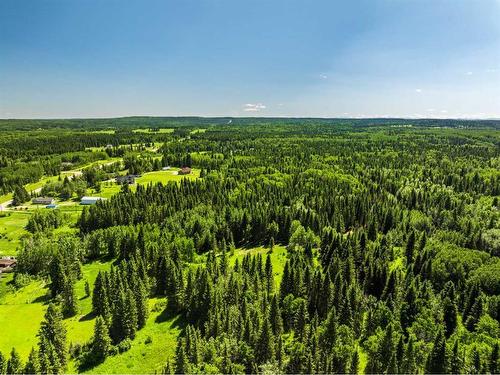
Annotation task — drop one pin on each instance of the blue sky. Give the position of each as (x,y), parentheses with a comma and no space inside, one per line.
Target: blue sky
(325,58)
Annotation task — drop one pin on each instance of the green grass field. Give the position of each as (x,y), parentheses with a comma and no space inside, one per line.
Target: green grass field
(165,176)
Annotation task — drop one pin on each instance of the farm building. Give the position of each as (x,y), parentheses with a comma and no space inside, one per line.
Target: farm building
(43,200)
(185,170)
(128,179)
(90,200)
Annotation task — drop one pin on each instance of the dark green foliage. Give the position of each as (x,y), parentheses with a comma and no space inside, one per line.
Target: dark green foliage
(390,228)
(52,348)
(20,196)
(14,364)
(101,342)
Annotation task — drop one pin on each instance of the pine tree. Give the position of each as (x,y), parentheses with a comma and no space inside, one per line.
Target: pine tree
(475,314)
(57,276)
(32,366)
(437,363)
(476,361)
(70,301)
(3,363)
(20,195)
(450,316)
(455,359)
(100,300)
(409,365)
(354,366)
(142,304)
(181,362)
(275,317)
(101,343)
(264,352)
(410,248)
(14,365)
(494,362)
(53,331)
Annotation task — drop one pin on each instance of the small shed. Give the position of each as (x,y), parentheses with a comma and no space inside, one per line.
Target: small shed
(167,168)
(43,200)
(90,200)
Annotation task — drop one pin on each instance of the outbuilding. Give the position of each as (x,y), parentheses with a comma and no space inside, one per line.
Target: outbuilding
(43,200)
(90,200)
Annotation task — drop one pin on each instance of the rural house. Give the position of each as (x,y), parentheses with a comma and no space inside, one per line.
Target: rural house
(43,200)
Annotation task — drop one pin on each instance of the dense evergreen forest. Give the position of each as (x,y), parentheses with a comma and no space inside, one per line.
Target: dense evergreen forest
(391,231)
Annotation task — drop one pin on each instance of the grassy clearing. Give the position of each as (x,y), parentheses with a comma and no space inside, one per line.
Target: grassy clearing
(24,309)
(278,258)
(11,230)
(145,358)
(151,131)
(165,176)
(110,188)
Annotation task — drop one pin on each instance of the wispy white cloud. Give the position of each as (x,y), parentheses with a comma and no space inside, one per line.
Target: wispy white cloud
(443,111)
(419,91)
(323,76)
(469,73)
(250,107)
(491,70)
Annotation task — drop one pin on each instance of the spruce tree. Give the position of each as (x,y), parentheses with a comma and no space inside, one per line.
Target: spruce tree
(275,317)
(53,331)
(494,360)
(181,361)
(354,365)
(450,312)
(437,362)
(14,364)
(455,359)
(57,276)
(3,363)
(101,343)
(32,366)
(264,352)
(69,299)
(410,248)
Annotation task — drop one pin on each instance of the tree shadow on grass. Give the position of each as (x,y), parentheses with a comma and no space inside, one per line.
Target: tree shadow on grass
(167,314)
(86,317)
(44,299)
